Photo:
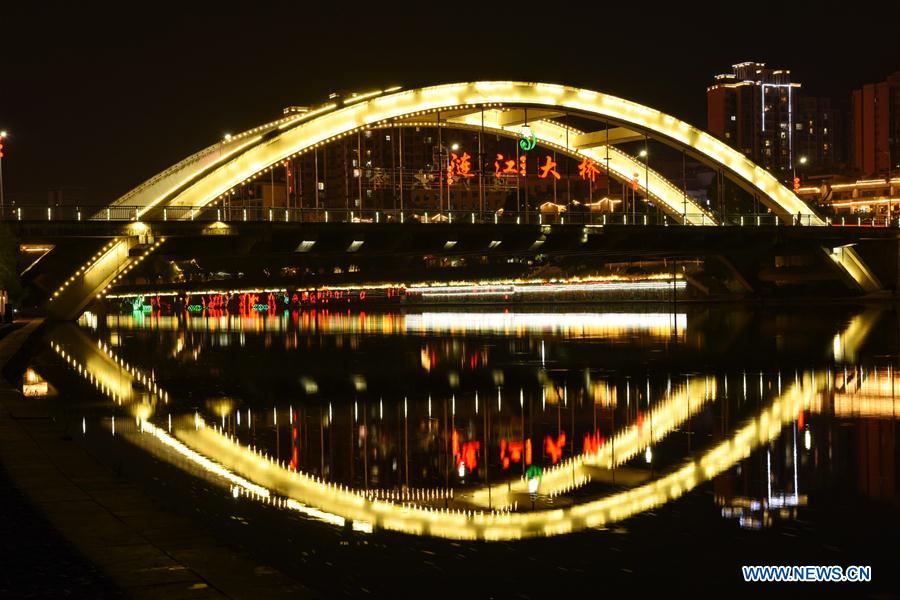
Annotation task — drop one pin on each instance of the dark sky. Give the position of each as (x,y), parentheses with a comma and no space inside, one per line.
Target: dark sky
(102,98)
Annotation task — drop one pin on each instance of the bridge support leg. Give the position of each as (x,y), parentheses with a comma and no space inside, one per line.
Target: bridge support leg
(115,259)
(853,267)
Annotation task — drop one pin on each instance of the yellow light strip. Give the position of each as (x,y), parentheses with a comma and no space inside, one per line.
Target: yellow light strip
(843,203)
(862,183)
(432,284)
(360,97)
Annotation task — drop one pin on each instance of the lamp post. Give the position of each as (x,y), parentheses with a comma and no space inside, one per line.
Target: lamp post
(643,155)
(446,150)
(3,135)
(796,181)
(802,160)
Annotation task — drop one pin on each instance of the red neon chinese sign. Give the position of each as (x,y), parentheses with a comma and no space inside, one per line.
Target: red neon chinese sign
(587,170)
(502,167)
(459,166)
(548,168)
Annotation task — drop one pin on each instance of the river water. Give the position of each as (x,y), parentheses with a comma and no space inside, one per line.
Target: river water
(448,410)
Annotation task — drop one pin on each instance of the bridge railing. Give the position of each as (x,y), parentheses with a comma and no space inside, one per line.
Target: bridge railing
(344,215)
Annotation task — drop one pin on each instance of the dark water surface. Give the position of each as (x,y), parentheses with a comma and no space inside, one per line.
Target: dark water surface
(435,406)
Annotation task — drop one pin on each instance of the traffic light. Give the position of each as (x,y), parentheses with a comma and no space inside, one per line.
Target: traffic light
(1,147)
(796,184)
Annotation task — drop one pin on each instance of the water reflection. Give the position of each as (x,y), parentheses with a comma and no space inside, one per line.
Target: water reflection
(324,321)
(444,455)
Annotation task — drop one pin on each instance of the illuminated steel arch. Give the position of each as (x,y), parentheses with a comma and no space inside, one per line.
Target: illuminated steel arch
(202,178)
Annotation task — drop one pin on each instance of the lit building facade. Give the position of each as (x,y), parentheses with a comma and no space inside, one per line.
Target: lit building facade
(753,110)
(866,198)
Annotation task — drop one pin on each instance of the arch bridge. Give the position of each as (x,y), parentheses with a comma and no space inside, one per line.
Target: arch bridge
(594,129)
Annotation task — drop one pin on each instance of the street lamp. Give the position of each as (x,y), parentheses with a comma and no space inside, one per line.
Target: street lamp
(643,155)
(802,160)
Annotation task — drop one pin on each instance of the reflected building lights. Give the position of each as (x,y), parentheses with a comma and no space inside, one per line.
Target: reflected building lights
(662,325)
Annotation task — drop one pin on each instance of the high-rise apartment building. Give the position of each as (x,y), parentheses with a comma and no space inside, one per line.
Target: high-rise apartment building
(753,109)
(821,141)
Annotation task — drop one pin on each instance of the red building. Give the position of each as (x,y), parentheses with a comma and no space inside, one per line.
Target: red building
(876,127)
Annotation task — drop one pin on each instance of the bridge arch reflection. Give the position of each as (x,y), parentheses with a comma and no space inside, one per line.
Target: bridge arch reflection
(209,448)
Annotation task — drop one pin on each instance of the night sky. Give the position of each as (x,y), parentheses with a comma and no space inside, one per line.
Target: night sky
(103,98)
